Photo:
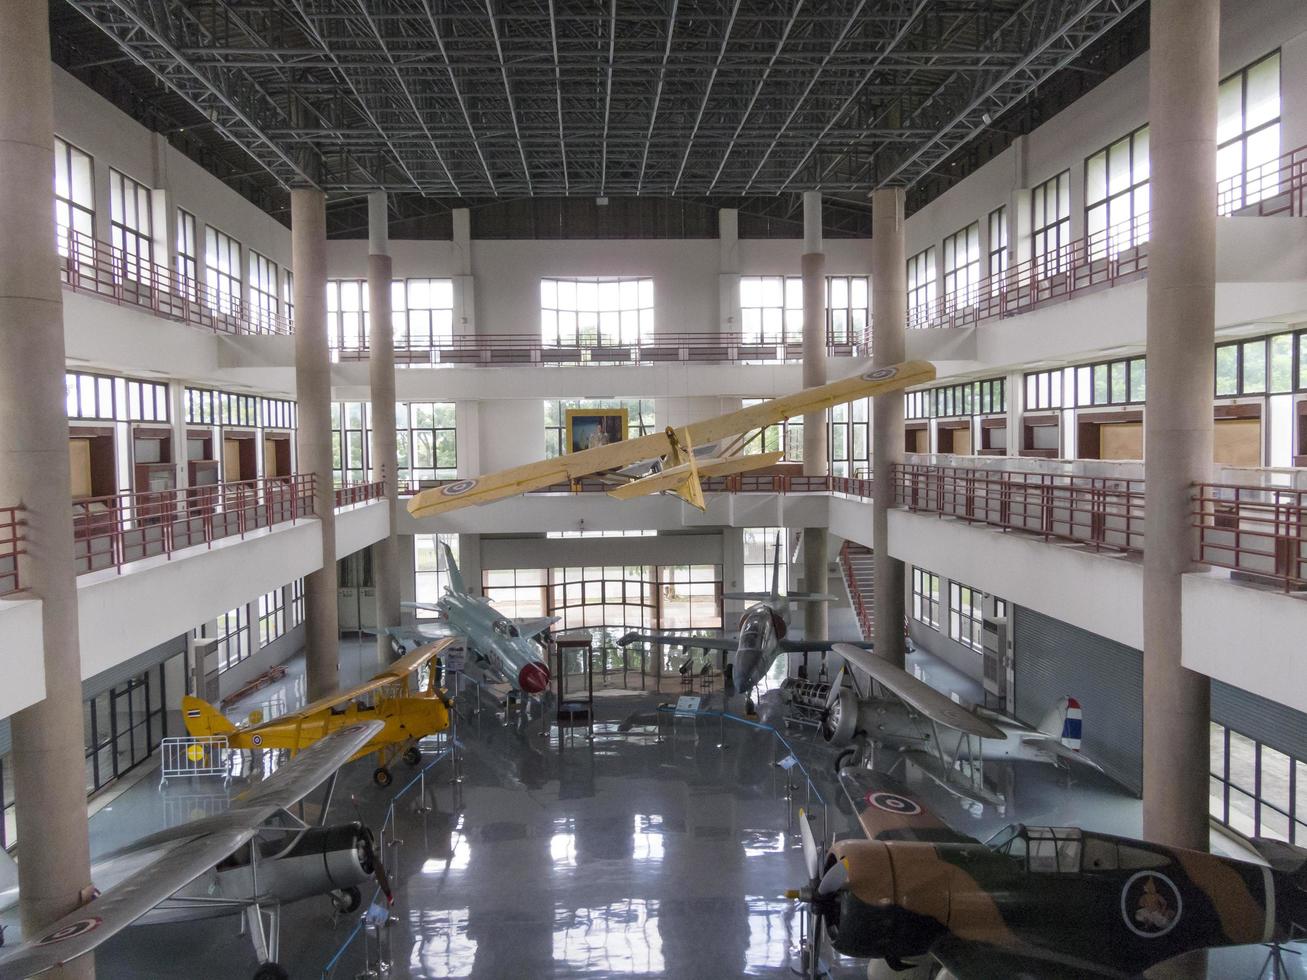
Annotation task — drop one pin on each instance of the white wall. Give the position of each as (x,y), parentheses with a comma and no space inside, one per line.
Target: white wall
(21,652)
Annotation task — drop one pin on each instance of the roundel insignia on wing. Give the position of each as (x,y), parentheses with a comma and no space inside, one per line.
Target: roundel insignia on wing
(893,803)
(880,374)
(351,730)
(1150,904)
(71,931)
(257,739)
(457,488)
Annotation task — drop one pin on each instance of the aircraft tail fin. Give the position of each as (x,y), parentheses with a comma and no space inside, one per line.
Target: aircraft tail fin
(1063,722)
(776,570)
(203,719)
(455,576)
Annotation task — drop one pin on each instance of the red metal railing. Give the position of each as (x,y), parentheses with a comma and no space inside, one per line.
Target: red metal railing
(735,483)
(358,493)
(111,531)
(491,350)
(11,546)
(90,266)
(1260,531)
(1098,511)
(1277,187)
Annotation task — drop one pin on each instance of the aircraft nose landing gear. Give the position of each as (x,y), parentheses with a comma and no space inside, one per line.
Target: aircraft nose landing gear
(381,776)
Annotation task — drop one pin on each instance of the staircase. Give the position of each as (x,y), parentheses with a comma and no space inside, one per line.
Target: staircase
(856,564)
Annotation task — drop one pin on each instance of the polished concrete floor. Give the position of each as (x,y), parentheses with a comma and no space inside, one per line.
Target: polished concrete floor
(648,852)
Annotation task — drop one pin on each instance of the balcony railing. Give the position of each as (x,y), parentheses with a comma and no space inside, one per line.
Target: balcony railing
(112,531)
(1275,188)
(500,350)
(735,483)
(1255,530)
(1100,512)
(358,493)
(11,546)
(90,266)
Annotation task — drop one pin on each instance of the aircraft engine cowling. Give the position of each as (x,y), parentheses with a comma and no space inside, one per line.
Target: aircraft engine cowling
(870,922)
(840,722)
(323,859)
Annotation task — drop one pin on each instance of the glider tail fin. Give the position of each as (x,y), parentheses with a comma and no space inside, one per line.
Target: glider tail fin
(1063,722)
(203,719)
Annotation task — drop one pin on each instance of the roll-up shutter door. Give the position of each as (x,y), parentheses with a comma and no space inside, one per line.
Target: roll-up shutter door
(1266,721)
(1054,659)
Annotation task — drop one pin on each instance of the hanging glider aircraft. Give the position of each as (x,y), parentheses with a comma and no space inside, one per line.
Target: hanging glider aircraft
(248,861)
(871,701)
(502,645)
(762,637)
(1044,903)
(407,715)
(672,461)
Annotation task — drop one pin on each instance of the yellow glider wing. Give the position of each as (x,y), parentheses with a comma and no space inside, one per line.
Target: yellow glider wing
(673,477)
(573,466)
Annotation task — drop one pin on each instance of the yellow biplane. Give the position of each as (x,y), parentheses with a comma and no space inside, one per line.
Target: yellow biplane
(672,461)
(409,714)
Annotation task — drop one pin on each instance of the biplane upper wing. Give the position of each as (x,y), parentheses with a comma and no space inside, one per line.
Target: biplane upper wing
(918,695)
(888,810)
(573,466)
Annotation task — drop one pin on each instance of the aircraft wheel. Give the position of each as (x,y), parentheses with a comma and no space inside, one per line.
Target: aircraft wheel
(846,758)
(271,971)
(382,777)
(347,900)
(412,755)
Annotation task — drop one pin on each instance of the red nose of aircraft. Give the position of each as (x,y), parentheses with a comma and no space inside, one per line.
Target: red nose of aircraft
(533,678)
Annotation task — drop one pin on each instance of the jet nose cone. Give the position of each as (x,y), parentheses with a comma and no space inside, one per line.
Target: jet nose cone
(533,678)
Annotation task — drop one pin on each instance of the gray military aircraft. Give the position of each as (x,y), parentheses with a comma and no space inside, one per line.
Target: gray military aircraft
(248,861)
(501,645)
(762,637)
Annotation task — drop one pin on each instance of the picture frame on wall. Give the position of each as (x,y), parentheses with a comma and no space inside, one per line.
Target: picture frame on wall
(588,428)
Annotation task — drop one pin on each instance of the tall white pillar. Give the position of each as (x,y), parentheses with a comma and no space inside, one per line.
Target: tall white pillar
(385,456)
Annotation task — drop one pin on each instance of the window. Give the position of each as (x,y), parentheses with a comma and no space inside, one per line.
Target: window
(426,440)
(277,413)
(560,535)
(186,259)
(222,265)
(965,615)
(639,418)
(998,258)
(962,266)
(272,616)
(74,199)
(987,397)
(925,597)
(785,436)
(771,309)
(123,726)
(351,435)
(690,597)
(1256,789)
(1120,382)
(347,314)
(432,571)
(207,407)
(423,311)
(516,592)
(921,286)
(759,552)
(297,602)
(1248,135)
(847,304)
(596,312)
(288,295)
(615,596)
(263,291)
(1050,213)
(1116,195)
(1264,365)
(130,226)
(233,632)
(97,396)
(848,442)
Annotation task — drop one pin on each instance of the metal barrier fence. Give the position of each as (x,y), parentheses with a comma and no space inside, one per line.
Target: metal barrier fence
(111,531)
(358,493)
(11,546)
(1099,511)
(1258,531)
(91,266)
(206,755)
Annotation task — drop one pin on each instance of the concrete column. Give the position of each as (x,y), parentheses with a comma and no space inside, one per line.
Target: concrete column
(816,453)
(1178,415)
(385,458)
(889,306)
(54,871)
(308,221)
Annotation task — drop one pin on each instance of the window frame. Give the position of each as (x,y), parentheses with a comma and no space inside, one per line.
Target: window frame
(71,206)
(922,286)
(1050,229)
(1116,236)
(962,280)
(1241,175)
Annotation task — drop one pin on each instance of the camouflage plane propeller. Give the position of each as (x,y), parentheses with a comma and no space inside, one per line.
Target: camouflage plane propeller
(672,461)
(408,714)
(1042,903)
(762,637)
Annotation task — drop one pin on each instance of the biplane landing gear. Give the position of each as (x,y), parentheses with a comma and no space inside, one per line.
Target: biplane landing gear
(412,755)
(382,777)
(271,971)
(347,900)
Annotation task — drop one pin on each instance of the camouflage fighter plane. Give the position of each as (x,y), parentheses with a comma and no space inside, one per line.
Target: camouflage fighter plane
(1041,903)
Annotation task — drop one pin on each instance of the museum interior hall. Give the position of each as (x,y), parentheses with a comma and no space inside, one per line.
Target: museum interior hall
(653,488)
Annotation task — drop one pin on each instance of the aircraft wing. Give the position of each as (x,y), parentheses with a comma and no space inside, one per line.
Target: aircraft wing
(816,646)
(681,640)
(426,606)
(405,665)
(969,959)
(534,626)
(572,466)
(1054,746)
(919,695)
(888,810)
(83,929)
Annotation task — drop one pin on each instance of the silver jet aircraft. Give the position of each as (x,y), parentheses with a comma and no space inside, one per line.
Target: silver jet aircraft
(762,637)
(502,645)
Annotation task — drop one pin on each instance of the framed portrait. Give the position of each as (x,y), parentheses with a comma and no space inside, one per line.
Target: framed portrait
(588,428)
